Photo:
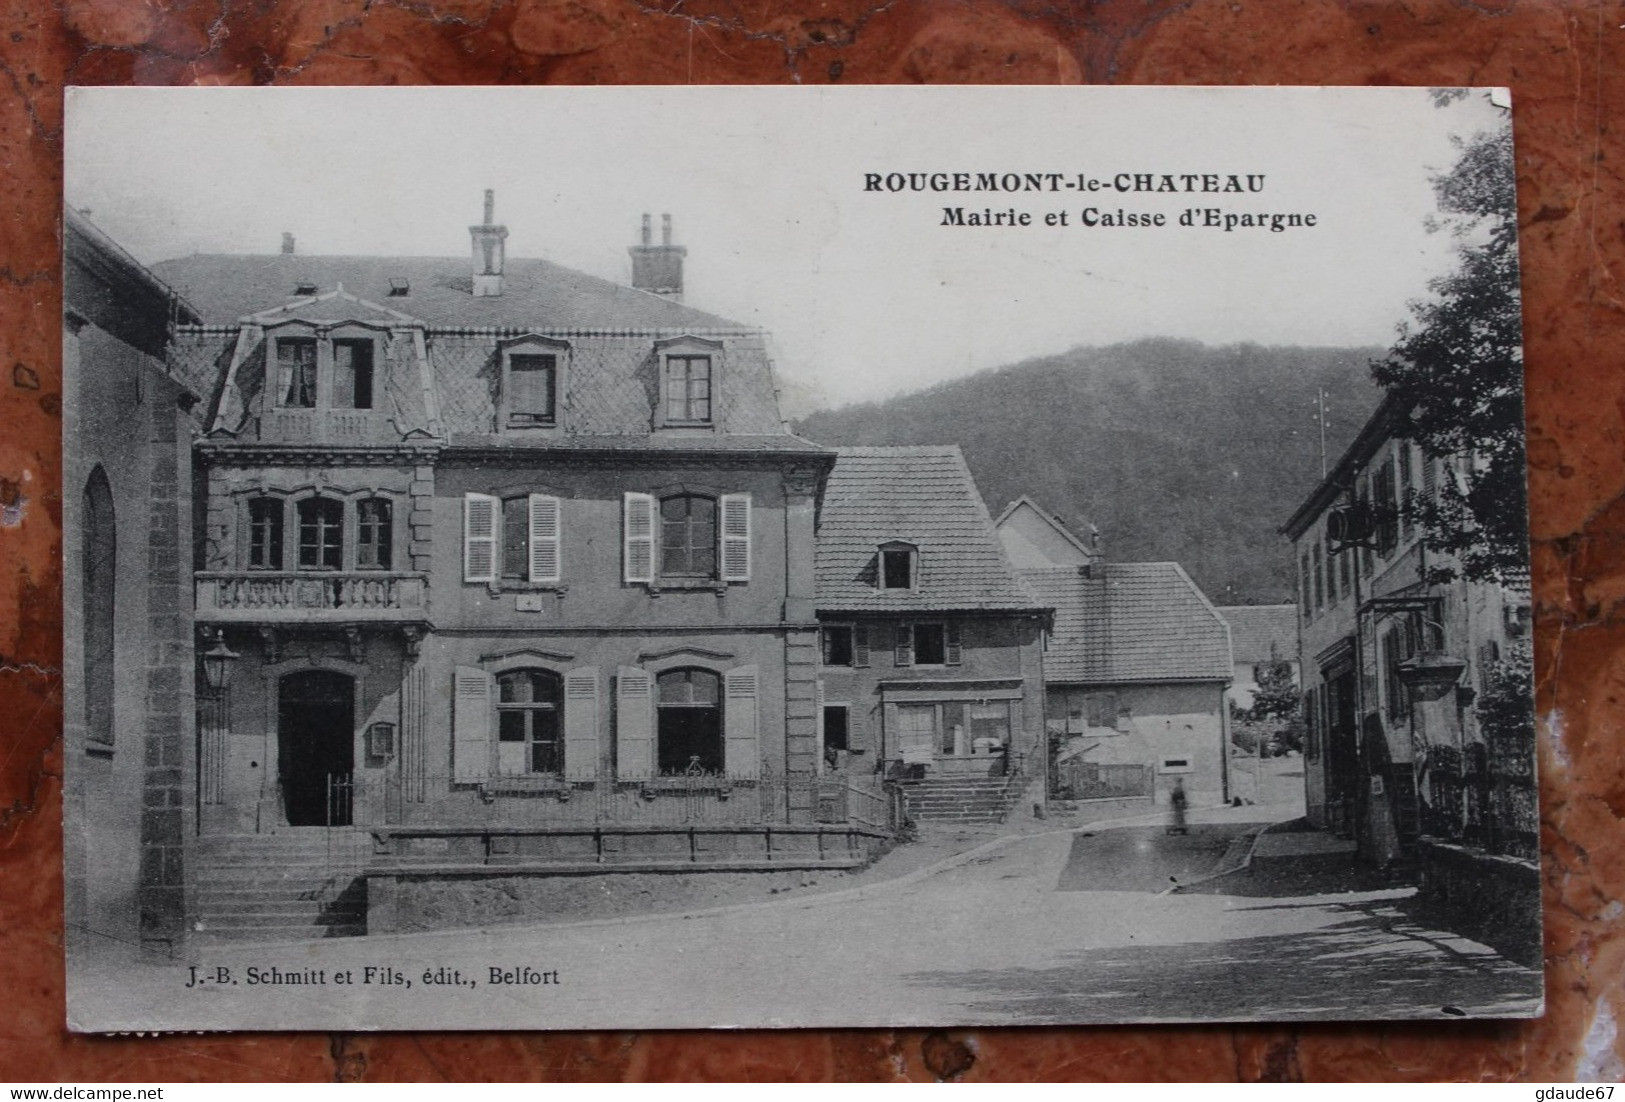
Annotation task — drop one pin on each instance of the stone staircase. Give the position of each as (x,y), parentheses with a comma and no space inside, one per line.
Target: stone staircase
(955,799)
(302,883)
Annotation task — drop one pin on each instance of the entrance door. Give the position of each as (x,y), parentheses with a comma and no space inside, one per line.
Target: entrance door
(1342,761)
(316,747)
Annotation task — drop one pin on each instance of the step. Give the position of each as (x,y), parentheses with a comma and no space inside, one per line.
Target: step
(261,905)
(250,921)
(280,933)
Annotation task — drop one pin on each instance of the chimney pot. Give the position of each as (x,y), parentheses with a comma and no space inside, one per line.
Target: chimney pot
(658,269)
(665,229)
(490,206)
(648,233)
(287,243)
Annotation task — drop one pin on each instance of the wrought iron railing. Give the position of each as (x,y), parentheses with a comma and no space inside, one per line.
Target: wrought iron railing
(1482,798)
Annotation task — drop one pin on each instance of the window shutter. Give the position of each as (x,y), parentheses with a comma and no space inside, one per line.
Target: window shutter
(735,535)
(479,538)
(953,648)
(471,725)
(544,538)
(1430,478)
(581,724)
(860,645)
(904,644)
(854,729)
(739,719)
(638,529)
(634,724)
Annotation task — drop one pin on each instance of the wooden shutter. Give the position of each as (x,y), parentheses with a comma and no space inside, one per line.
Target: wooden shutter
(953,649)
(735,536)
(742,758)
(634,724)
(903,644)
(860,645)
(480,512)
(581,724)
(638,537)
(471,725)
(544,538)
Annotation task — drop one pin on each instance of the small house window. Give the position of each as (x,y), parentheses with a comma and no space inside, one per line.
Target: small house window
(352,374)
(837,645)
(529,704)
(897,568)
(687,387)
(688,536)
(689,722)
(930,645)
(515,538)
(374,535)
(321,534)
(296,372)
(532,390)
(265,533)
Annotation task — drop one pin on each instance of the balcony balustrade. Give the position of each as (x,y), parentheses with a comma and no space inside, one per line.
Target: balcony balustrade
(269,597)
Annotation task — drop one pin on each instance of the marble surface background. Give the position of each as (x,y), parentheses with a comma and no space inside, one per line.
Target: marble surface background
(1564,60)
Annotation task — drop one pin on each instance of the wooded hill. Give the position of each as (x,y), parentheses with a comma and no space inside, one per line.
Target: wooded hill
(1173,449)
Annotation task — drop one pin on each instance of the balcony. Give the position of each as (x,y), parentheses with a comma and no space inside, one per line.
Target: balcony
(309,597)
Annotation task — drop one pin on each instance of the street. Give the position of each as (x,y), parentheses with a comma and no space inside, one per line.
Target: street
(1054,927)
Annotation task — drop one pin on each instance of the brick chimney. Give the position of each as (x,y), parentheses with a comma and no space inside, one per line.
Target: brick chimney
(287,243)
(487,244)
(658,269)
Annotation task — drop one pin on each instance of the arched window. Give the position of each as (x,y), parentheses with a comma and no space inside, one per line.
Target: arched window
(689,732)
(374,536)
(688,536)
(530,717)
(321,534)
(99,583)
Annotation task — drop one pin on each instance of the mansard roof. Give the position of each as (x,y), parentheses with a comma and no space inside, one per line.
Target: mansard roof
(536,293)
(1130,622)
(924,496)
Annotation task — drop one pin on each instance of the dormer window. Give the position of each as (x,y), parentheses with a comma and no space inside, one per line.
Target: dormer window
(296,370)
(899,565)
(689,370)
(533,371)
(313,370)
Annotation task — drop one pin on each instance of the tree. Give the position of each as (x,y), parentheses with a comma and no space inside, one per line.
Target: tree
(1275,716)
(1457,372)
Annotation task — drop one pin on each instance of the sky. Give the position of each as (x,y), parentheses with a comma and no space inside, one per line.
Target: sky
(865,292)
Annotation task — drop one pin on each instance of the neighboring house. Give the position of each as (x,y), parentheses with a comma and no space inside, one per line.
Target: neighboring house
(498,544)
(1036,539)
(1136,668)
(1392,665)
(931,650)
(1260,636)
(127,662)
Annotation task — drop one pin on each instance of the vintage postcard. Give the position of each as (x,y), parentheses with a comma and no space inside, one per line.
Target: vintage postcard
(736,557)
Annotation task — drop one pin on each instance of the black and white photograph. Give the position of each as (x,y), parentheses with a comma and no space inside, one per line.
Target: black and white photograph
(741,557)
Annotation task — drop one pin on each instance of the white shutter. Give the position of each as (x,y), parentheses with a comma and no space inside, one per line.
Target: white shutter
(742,758)
(735,534)
(860,645)
(480,512)
(634,724)
(953,647)
(581,724)
(638,535)
(904,644)
(544,538)
(471,725)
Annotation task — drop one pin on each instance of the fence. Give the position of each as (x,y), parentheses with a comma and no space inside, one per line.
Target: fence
(1483,797)
(657,801)
(1087,780)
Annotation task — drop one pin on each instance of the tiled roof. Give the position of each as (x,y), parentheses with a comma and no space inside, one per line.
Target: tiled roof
(1130,622)
(536,293)
(1262,633)
(924,496)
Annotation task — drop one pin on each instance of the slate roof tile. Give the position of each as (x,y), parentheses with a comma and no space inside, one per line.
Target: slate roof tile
(1130,622)
(925,496)
(225,287)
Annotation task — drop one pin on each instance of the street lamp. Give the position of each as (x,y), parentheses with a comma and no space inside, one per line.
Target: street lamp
(217,662)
